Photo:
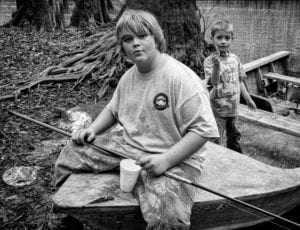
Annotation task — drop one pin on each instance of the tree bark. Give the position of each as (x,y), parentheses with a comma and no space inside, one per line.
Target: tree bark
(41,14)
(86,9)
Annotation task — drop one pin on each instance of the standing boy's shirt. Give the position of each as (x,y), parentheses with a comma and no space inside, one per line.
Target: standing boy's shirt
(225,96)
(158,108)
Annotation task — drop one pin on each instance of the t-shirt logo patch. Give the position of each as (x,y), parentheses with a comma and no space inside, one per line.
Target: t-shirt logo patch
(161,101)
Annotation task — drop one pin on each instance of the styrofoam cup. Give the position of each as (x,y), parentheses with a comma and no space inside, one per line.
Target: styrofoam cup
(129,173)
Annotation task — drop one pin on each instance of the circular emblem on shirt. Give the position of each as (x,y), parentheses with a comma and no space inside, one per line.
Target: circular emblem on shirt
(161,101)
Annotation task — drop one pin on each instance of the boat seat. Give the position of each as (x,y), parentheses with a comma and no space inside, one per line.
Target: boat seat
(282,78)
(270,120)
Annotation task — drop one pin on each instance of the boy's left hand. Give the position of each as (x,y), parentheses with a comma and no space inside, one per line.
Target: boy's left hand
(155,164)
(251,105)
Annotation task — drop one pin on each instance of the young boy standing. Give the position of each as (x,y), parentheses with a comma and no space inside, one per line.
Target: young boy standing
(225,71)
(166,117)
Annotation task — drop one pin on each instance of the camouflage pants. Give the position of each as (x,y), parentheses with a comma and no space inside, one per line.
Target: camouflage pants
(165,203)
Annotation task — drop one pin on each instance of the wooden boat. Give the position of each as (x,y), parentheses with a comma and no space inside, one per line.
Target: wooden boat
(276,190)
(273,91)
(270,182)
(274,129)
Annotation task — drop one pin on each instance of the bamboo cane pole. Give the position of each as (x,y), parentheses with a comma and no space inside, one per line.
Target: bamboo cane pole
(167,174)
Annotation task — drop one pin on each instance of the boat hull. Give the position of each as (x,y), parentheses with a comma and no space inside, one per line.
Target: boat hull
(215,215)
(227,215)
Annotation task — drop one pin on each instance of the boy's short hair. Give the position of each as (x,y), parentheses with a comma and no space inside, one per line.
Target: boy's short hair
(223,25)
(139,21)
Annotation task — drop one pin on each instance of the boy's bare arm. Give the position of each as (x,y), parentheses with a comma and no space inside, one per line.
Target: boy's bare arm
(159,163)
(188,145)
(247,97)
(104,121)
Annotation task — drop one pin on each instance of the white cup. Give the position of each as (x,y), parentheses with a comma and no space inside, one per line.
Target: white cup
(129,173)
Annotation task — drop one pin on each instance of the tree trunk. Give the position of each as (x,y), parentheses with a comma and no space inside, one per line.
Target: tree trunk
(86,9)
(181,24)
(41,14)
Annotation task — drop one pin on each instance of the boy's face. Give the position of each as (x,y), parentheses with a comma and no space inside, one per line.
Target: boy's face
(222,40)
(140,48)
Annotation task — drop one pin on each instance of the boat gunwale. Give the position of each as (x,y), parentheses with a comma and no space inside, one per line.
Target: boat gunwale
(253,65)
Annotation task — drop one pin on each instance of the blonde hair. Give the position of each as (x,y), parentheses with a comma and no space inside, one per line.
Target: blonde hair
(141,22)
(222,25)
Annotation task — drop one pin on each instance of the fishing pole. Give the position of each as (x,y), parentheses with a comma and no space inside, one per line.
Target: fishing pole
(167,174)
(96,147)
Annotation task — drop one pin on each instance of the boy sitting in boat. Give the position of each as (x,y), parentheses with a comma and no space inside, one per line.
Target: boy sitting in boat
(226,74)
(166,117)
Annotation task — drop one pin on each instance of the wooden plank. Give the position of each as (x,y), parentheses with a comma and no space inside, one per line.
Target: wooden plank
(260,83)
(270,120)
(272,67)
(265,60)
(280,77)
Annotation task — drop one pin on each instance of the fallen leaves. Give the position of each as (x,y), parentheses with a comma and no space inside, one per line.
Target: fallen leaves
(23,55)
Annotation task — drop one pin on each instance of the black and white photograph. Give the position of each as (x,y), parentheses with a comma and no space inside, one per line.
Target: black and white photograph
(149,114)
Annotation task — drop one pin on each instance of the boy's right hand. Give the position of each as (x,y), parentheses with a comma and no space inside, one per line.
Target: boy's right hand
(83,135)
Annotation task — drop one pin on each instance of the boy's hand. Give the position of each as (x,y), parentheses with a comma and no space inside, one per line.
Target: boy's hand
(216,60)
(83,135)
(251,104)
(155,164)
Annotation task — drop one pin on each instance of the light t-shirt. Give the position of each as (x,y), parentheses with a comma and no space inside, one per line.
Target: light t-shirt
(158,108)
(225,96)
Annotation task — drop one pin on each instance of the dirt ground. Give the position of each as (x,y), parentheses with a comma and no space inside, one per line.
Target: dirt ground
(23,54)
